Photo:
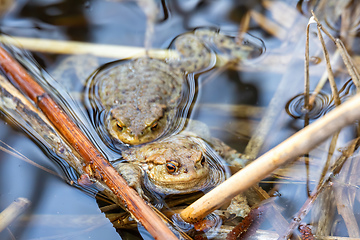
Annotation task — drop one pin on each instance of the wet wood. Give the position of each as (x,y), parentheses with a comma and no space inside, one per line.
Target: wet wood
(14,210)
(97,166)
(21,112)
(298,144)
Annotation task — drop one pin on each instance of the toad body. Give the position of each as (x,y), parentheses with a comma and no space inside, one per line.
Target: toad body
(142,97)
(173,166)
(179,164)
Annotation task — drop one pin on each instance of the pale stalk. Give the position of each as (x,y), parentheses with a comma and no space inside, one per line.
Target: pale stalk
(298,144)
(14,210)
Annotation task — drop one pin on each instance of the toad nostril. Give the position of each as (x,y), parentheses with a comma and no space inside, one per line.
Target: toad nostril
(185,170)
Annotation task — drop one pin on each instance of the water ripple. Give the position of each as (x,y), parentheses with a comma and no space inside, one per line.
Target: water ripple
(295,107)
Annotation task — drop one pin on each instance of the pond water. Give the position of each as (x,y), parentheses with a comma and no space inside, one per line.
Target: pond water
(60,211)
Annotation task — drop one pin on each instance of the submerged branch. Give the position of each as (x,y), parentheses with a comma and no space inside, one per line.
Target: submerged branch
(19,110)
(320,187)
(239,111)
(13,211)
(300,143)
(97,166)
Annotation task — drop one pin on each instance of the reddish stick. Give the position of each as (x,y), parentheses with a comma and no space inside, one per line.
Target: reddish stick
(97,165)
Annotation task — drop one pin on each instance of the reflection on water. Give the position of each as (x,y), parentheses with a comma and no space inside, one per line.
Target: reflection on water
(322,104)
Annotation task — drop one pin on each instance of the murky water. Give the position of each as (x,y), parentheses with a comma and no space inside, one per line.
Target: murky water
(274,68)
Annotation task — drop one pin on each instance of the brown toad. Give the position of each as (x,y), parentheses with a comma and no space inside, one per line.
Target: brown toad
(178,164)
(183,163)
(141,97)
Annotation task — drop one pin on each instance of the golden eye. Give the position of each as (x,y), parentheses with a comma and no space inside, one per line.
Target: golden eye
(171,168)
(203,159)
(120,127)
(154,126)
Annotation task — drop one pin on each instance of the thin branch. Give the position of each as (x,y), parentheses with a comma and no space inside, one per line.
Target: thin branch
(329,70)
(244,26)
(74,47)
(331,151)
(323,29)
(298,144)
(344,54)
(270,26)
(97,166)
(306,79)
(348,63)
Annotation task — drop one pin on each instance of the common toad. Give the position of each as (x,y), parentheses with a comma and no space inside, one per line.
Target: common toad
(178,164)
(141,97)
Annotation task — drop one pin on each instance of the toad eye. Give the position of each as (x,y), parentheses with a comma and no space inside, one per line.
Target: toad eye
(171,168)
(154,126)
(203,159)
(120,127)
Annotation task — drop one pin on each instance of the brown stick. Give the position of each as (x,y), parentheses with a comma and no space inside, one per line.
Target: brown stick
(97,166)
(300,143)
(329,70)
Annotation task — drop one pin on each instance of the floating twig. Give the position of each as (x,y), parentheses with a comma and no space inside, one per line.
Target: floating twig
(74,47)
(97,166)
(300,143)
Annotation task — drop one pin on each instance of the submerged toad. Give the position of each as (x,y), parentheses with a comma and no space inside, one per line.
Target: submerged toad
(141,97)
(176,165)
